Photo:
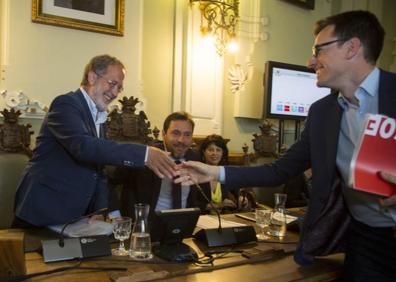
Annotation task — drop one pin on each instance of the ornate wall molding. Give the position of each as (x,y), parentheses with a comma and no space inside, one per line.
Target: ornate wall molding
(18,100)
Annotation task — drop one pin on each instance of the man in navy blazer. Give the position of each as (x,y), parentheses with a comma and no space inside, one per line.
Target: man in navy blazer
(346,49)
(64,179)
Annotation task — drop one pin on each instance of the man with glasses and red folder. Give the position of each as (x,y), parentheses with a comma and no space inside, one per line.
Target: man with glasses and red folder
(339,218)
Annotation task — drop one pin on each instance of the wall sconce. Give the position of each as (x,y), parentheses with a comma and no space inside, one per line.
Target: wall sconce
(221,18)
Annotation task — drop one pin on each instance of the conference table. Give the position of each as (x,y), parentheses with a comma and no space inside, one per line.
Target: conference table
(270,260)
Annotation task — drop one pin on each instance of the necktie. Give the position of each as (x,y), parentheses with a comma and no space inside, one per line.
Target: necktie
(176,193)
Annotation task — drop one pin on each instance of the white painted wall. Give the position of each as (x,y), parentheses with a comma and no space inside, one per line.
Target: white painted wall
(45,61)
(290,39)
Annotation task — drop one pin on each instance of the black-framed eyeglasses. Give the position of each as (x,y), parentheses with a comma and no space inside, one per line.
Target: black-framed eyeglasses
(113,84)
(317,48)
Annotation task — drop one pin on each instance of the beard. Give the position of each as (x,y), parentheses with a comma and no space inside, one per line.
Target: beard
(100,103)
(176,150)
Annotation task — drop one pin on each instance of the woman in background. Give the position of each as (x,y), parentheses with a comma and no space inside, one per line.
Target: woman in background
(214,151)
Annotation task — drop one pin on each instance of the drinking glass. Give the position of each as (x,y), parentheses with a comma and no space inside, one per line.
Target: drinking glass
(277,225)
(121,231)
(263,217)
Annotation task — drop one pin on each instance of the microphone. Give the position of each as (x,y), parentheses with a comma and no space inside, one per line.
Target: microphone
(219,229)
(81,247)
(61,234)
(224,236)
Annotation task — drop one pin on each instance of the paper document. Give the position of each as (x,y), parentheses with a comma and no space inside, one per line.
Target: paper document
(84,228)
(209,222)
(252,217)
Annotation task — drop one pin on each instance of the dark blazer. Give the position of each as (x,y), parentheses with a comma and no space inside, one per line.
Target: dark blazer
(317,148)
(64,178)
(141,185)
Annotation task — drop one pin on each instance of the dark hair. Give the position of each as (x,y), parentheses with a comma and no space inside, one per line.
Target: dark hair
(178,116)
(361,24)
(219,142)
(99,65)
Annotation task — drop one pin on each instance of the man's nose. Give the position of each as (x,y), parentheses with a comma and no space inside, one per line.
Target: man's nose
(114,91)
(311,63)
(180,139)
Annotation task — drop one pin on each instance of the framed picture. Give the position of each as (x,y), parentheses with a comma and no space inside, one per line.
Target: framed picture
(105,16)
(307,4)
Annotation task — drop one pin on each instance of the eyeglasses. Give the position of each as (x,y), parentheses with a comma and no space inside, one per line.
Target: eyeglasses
(113,84)
(317,48)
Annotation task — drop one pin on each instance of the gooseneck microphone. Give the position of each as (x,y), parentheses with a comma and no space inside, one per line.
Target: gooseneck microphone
(219,229)
(63,248)
(61,236)
(218,237)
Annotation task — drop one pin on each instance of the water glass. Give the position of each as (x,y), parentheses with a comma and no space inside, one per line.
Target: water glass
(263,217)
(121,231)
(277,226)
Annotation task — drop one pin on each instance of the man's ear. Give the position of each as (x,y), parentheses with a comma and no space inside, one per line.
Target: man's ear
(163,134)
(92,77)
(354,47)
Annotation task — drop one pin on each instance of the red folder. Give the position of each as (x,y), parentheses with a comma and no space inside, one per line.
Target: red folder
(375,152)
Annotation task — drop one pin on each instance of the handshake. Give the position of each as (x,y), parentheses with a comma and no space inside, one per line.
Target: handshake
(187,173)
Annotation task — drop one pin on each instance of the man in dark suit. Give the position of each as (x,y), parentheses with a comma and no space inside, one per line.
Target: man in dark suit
(141,185)
(64,179)
(346,49)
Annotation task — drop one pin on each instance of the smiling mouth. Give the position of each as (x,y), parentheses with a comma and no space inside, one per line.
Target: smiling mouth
(108,99)
(180,147)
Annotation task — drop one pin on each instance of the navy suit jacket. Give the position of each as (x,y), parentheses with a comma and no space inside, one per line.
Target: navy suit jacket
(317,149)
(64,179)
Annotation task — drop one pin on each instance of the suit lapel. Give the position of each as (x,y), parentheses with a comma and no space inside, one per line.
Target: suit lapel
(333,123)
(102,131)
(387,96)
(87,114)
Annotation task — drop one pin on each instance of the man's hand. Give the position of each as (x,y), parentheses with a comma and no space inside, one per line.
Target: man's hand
(196,172)
(391,178)
(160,162)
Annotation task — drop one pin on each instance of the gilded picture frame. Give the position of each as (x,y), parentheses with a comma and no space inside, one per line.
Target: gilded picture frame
(104,16)
(306,4)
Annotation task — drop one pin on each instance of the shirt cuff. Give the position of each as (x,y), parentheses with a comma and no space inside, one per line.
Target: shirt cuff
(114,214)
(222,175)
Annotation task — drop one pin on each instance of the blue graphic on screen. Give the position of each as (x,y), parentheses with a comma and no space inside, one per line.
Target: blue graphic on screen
(293,92)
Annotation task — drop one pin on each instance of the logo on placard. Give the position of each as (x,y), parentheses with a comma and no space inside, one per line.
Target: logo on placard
(176,231)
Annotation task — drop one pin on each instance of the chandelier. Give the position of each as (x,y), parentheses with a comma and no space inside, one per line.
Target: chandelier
(219,18)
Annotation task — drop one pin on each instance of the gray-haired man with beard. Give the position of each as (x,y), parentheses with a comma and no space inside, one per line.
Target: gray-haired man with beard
(64,179)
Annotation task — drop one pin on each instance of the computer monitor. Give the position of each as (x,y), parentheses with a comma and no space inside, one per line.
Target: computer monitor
(169,228)
(290,90)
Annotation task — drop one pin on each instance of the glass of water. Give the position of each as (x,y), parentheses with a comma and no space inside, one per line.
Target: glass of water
(263,217)
(121,231)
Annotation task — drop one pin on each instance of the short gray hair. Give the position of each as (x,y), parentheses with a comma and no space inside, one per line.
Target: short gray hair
(99,65)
